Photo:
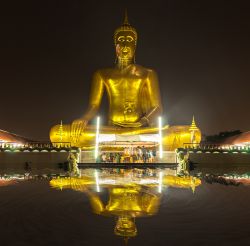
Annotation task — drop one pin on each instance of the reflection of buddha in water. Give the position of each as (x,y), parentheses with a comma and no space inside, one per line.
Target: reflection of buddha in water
(126,203)
(127,200)
(134,100)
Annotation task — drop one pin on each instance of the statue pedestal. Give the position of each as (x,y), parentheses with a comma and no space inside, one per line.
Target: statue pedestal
(169,157)
(130,146)
(128,141)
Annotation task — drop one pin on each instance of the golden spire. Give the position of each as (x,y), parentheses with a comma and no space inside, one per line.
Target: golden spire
(193,188)
(125,22)
(60,131)
(126,241)
(193,126)
(193,185)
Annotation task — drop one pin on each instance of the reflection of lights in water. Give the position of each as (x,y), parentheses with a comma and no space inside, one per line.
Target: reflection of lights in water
(160,182)
(7,181)
(160,137)
(97,137)
(105,181)
(113,181)
(97,181)
(125,180)
(151,154)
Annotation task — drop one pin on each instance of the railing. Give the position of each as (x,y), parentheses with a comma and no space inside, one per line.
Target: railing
(12,146)
(215,148)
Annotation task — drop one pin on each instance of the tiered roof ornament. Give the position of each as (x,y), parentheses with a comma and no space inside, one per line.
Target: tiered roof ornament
(193,126)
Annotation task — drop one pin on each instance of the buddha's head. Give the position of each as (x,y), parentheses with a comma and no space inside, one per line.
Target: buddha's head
(125,39)
(125,227)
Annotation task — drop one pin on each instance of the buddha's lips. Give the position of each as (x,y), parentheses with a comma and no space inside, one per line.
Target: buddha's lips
(125,54)
(125,50)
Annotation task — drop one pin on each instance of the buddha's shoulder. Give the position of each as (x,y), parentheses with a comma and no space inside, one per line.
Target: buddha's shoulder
(104,72)
(135,69)
(142,70)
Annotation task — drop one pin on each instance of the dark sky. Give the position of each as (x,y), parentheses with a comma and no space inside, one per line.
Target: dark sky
(50,49)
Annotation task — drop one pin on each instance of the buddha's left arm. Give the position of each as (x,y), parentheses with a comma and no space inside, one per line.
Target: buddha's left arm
(152,85)
(95,202)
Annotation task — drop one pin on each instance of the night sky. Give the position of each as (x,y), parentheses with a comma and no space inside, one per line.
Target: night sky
(50,49)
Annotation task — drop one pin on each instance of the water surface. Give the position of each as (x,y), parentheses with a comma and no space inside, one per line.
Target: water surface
(164,209)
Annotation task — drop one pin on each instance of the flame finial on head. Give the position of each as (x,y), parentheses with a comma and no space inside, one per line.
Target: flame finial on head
(125,22)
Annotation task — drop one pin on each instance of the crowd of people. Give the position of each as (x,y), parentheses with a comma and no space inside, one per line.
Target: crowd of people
(129,155)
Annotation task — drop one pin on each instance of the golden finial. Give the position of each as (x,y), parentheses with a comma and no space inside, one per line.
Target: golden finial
(193,188)
(193,185)
(193,121)
(126,241)
(125,22)
(60,131)
(193,126)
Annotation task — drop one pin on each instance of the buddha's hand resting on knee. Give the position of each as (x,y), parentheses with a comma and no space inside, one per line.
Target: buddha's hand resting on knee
(77,128)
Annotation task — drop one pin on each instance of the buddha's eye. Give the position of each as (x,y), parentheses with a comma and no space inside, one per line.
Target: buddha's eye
(121,39)
(130,39)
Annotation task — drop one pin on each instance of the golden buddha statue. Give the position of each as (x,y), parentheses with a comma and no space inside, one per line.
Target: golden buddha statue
(134,101)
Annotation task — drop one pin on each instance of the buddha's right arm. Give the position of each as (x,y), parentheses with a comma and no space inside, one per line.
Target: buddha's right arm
(95,98)
(78,125)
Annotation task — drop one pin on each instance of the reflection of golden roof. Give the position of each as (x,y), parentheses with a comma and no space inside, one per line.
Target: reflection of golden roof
(73,183)
(181,182)
(169,180)
(6,182)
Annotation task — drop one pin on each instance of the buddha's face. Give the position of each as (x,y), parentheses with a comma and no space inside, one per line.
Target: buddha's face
(125,45)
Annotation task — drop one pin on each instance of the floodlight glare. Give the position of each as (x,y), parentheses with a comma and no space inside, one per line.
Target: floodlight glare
(160,137)
(97,137)
(160,182)
(97,181)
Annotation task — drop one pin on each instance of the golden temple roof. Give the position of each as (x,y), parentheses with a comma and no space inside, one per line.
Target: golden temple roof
(242,138)
(11,137)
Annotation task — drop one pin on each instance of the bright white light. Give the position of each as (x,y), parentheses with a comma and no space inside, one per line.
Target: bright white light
(160,182)
(106,138)
(160,137)
(97,181)
(97,137)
